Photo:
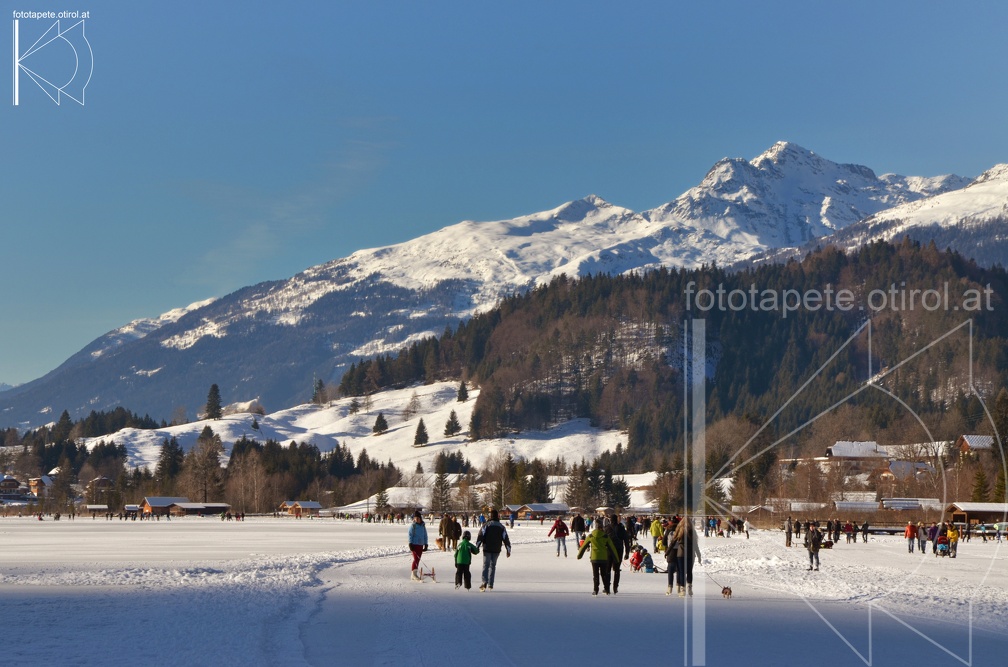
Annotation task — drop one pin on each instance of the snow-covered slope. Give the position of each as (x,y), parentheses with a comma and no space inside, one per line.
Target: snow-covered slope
(272,339)
(983,200)
(333,424)
(971,220)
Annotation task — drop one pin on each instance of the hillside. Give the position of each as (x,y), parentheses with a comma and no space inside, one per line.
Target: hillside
(268,341)
(325,426)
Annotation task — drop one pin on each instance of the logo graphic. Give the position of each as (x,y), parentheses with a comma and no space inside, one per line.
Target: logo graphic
(60,62)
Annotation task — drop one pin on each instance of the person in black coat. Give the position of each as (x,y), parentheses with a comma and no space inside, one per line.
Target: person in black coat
(578,528)
(618,534)
(492,537)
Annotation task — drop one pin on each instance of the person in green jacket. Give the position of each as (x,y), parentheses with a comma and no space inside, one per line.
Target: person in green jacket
(602,550)
(463,557)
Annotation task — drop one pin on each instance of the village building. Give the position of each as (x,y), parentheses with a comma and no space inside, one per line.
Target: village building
(159,505)
(198,509)
(978,513)
(537,510)
(9,484)
(98,488)
(40,486)
(856,457)
(96,509)
(299,508)
(971,444)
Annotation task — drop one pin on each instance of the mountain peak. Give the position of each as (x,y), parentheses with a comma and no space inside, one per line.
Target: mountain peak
(579,209)
(782,150)
(998,172)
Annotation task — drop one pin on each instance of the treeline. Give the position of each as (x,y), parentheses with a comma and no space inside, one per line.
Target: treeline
(609,348)
(94,425)
(261,475)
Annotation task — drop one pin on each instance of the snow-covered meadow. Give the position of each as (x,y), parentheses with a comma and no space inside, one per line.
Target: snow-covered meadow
(272,591)
(325,426)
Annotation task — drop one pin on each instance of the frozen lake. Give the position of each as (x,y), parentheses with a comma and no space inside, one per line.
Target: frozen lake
(328,592)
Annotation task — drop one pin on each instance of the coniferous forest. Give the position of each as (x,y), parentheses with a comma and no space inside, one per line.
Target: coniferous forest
(609,349)
(921,339)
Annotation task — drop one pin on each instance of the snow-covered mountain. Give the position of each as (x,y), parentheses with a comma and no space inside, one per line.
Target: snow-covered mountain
(972,220)
(271,340)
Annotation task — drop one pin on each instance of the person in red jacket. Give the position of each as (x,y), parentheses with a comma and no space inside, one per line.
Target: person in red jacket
(911,535)
(561,530)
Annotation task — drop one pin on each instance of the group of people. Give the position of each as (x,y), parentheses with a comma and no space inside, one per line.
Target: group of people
(492,537)
(944,538)
(832,530)
(609,541)
(717,527)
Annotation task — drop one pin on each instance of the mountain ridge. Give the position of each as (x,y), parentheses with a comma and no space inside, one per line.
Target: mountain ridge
(269,340)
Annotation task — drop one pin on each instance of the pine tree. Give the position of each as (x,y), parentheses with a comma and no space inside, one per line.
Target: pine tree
(381,499)
(420,438)
(169,464)
(577,493)
(202,464)
(441,493)
(213,403)
(380,425)
(979,494)
(452,426)
(999,487)
(619,494)
(319,395)
(463,393)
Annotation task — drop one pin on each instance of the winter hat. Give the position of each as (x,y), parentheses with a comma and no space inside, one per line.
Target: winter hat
(494,515)
(417,515)
(467,535)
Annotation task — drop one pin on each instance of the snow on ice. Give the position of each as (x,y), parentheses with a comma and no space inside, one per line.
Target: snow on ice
(280,591)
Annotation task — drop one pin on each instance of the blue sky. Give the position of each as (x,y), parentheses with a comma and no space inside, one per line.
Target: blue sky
(226,143)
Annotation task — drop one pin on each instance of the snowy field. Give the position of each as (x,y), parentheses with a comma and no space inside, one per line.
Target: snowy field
(325,426)
(331,592)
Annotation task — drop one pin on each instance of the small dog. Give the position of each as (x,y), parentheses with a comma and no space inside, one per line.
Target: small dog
(726,592)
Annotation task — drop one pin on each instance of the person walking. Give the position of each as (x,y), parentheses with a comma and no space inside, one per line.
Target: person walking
(864,532)
(578,527)
(560,529)
(683,544)
(932,534)
(813,542)
(788,531)
(953,538)
(417,542)
(910,533)
(621,540)
(656,532)
(492,537)
(603,552)
(456,532)
(463,557)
